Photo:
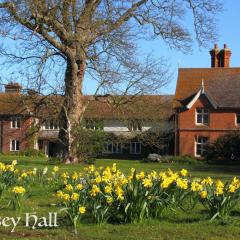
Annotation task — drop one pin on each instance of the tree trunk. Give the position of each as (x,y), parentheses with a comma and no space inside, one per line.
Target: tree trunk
(73,106)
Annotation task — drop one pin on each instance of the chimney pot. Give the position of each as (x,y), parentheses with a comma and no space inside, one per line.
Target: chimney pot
(220,58)
(214,56)
(13,88)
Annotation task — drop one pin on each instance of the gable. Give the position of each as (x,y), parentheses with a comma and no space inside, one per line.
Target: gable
(197,96)
(222,86)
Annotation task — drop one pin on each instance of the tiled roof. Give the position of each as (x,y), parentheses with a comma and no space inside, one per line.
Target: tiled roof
(12,103)
(222,84)
(140,107)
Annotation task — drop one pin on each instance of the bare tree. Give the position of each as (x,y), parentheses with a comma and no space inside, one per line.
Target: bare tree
(97,38)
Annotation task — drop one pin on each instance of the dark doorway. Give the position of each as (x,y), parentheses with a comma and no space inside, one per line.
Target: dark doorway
(55,149)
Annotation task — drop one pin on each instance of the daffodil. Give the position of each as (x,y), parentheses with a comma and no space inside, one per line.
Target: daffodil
(55,168)
(107,189)
(203,194)
(184,172)
(182,183)
(147,183)
(166,182)
(18,190)
(95,189)
(140,175)
(109,200)
(207,181)
(232,188)
(82,210)
(69,187)
(195,187)
(66,197)
(75,196)
(74,176)
(79,186)
(14,162)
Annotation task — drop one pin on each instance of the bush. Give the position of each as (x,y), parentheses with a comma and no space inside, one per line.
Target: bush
(88,144)
(225,148)
(184,160)
(32,153)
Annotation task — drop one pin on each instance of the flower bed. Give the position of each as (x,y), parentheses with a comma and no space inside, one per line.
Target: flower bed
(107,195)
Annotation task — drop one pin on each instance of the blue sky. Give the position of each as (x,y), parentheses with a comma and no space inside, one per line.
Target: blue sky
(229,33)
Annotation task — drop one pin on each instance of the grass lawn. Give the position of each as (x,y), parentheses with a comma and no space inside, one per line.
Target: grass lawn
(179,225)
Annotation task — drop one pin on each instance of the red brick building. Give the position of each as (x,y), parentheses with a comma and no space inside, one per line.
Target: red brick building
(15,120)
(207,103)
(206,106)
(31,121)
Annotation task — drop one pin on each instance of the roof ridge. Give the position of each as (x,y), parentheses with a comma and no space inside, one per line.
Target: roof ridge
(208,68)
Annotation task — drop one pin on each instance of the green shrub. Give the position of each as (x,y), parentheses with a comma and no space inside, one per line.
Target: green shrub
(225,148)
(185,160)
(88,144)
(32,153)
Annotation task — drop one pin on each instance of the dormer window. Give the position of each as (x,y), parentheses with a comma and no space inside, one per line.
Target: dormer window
(15,122)
(202,116)
(135,126)
(93,124)
(238,119)
(51,124)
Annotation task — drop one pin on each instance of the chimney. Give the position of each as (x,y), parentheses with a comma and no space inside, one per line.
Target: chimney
(214,56)
(224,57)
(220,58)
(13,88)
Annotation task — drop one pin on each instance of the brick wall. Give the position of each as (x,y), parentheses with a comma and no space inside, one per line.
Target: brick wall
(221,122)
(9,133)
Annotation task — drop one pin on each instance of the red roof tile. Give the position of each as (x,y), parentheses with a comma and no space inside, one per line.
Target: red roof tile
(222,84)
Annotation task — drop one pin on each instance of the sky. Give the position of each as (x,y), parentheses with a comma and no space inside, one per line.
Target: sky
(229,33)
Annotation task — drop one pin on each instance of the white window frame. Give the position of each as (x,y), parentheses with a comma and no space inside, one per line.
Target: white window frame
(199,140)
(51,122)
(16,122)
(204,112)
(236,119)
(133,150)
(15,145)
(118,147)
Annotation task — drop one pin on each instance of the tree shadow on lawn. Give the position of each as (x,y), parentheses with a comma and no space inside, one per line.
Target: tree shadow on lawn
(235,213)
(216,169)
(183,220)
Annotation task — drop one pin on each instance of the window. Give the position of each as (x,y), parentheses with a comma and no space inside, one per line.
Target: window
(200,146)
(51,124)
(15,122)
(135,148)
(14,145)
(202,116)
(113,148)
(135,125)
(94,124)
(238,119)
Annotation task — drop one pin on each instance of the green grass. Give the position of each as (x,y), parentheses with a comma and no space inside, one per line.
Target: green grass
(178,225)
